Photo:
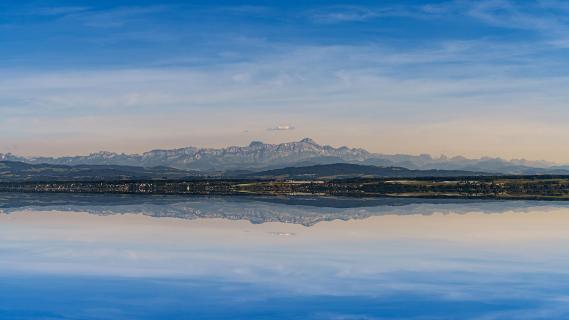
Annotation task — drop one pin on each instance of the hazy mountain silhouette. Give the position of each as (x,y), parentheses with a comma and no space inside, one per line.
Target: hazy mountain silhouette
(258,156)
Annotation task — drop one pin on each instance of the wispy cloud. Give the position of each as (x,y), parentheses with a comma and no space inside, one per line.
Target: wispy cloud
(245,10)
(283,127)
(549,20)
(348,91)
(112,18)
(56,11)
(339,14)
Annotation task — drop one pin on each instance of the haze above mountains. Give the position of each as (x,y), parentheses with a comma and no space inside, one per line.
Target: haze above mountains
(258,156)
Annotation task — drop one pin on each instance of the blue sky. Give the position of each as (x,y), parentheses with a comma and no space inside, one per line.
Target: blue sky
(456,77)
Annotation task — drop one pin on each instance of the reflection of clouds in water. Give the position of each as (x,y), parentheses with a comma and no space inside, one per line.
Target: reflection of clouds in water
(493,264)
(282,234)
(214,298)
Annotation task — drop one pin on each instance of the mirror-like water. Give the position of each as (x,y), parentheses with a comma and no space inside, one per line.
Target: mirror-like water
(135,257)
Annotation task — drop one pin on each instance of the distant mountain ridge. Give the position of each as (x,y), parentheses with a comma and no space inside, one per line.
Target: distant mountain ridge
(258,156)
(12,171)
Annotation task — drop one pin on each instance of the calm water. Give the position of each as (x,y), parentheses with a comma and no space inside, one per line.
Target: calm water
(133,257)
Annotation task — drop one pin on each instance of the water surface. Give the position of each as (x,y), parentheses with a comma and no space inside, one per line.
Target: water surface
(168,257)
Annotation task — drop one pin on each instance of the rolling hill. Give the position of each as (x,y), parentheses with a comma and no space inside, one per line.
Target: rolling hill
(347,170)
(11,171)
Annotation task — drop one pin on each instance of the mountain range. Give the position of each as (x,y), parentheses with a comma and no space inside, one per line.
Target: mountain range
(258,156)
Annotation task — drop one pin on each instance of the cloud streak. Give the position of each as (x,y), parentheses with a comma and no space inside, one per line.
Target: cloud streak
(339,14)
(283,127)
(114,18)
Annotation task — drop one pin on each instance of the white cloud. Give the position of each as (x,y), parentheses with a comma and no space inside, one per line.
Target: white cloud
(548,19)
(340,14)
(283,127)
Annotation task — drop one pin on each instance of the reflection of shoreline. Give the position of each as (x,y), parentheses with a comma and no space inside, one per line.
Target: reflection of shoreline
(257,209)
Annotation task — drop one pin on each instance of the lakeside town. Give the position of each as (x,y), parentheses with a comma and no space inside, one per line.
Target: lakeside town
(514,187)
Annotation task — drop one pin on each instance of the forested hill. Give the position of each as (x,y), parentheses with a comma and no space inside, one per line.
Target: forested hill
(346,170)
(11,171)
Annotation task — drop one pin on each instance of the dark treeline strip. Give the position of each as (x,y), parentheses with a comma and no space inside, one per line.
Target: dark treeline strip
(518,187)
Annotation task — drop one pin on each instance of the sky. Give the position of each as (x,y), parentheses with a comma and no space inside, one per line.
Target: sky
(472,78)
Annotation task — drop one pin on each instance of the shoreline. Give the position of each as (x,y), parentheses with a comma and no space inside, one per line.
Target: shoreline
(545,188)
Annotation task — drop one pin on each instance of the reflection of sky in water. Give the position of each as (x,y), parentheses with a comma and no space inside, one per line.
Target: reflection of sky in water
(59,263)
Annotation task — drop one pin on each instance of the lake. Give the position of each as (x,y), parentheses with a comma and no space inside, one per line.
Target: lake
(65,256)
